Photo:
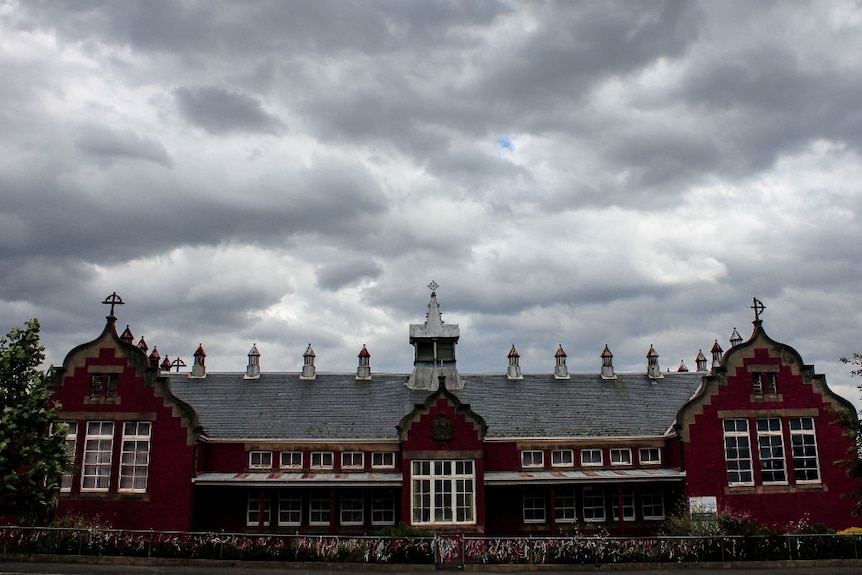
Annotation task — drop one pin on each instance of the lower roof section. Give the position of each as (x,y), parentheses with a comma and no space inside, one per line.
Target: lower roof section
(599,475)
(299,479)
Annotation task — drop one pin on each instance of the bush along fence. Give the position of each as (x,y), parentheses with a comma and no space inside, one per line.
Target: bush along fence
(440,550)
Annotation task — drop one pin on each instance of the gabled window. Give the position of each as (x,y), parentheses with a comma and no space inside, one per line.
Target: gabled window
(591,457)
(649,455)
(291,460)
(770,444)
(532,458)
(260,459)
(620,456)
(98,446)
(737,452)
(322,460)
(383,460)
(352,460)
(562,458)
(135,458)
(806,468)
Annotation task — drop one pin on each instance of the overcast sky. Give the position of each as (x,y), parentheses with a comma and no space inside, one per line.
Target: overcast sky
(575,173)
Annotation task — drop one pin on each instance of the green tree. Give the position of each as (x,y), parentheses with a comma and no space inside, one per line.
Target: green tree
(853,430)
(32,451)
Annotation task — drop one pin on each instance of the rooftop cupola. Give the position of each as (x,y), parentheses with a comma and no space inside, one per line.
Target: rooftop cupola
(199,368)
(735,338)
(363,370)
(682,368)
(608,364)
(716,354)
(252,370)
(154,358)
(434,349)
(514,370)
(700,360)
(142,345)
(166,364)
(560,369)
(653,369)
(127,335)
(308,370)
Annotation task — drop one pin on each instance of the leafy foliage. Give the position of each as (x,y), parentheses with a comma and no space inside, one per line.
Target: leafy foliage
(32,454)
(853,429)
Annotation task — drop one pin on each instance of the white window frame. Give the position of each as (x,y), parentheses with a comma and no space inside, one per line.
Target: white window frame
(593,502)
(562,458)
(383,460)
(382,509)
(322,460)
(319,509)
(652,501)
(628,505)
(352,509)
(584,456)
(565,507)
(71,451)
(737,441)
(645,455)
(290,460)
(532,458)
(135,456)
(352,460)
(770,448)
(98,452)
(621,456)
(803,440)
(534,506)
(252,512)
(289,508)
(259,459)
(443,492)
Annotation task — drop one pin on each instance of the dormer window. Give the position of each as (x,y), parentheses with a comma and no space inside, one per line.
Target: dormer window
(260,459)
(532,458)
(352,460)
(562,458)
(321,460)
(621,456)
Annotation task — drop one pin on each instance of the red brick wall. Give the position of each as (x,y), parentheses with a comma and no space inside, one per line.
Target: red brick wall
(704,444)
(167,503)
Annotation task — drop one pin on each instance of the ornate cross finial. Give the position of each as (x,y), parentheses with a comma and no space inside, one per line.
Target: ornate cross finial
(113,300)
(758,308)
(178,363)
(433,287)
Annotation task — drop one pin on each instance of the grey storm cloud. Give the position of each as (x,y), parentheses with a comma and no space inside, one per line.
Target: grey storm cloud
(569,172)
(219,111)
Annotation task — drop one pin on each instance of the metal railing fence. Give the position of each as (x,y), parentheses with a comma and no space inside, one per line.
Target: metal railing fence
(440,550)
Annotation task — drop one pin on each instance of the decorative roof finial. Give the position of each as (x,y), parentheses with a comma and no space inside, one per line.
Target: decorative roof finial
(113,300)
(433,287)
(758,308)
(177,363)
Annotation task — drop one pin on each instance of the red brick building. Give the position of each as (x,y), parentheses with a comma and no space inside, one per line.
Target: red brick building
(506,453)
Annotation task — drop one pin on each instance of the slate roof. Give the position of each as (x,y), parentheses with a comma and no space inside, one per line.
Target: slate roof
(280,406)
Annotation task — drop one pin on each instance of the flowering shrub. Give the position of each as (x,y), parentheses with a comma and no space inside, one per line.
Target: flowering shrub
(577,549)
